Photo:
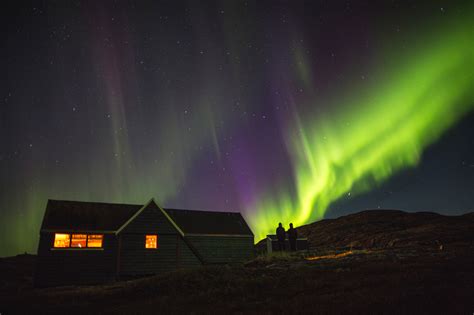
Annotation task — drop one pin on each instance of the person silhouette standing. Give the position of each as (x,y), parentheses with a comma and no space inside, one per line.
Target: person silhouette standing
(292,236)
(280,232)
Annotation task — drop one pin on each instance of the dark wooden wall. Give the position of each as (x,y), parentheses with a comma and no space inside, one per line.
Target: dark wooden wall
(136,260)
(186,257)
(74,266)
(223,249)
(150,221)
(172,252)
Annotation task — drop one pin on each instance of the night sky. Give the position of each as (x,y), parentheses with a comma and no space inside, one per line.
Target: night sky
(285,111)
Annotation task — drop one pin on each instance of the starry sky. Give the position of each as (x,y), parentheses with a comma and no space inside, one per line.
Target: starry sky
(286,111)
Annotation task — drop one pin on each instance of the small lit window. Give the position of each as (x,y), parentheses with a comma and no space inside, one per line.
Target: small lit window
(151,241)
(61,240)
(94,240)
(79,240)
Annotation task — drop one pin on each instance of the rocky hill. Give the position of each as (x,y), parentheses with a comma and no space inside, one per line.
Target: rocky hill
(389,229)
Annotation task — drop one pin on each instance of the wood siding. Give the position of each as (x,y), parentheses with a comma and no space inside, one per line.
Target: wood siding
(150,221)
(223,249)
(172,252)
(186,258)
(136,260)
(74,266)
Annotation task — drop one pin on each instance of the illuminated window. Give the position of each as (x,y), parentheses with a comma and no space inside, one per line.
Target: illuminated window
(94,240)
(79,240)
(61,240)
(151,241)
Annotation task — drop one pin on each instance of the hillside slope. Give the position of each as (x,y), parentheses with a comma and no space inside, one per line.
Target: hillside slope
(389,229)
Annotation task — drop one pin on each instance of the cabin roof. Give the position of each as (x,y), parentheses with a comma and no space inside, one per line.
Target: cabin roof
(209,222)
(110,217)
(86,216)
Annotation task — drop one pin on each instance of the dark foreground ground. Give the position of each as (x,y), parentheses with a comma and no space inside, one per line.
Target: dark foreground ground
(415,277)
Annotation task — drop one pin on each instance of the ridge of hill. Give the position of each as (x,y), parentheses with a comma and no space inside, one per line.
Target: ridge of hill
(388,229)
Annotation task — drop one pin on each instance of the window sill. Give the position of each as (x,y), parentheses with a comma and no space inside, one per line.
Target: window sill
(77,248)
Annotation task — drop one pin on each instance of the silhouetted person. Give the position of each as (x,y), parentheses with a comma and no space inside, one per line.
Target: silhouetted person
(292,236)
(280,232)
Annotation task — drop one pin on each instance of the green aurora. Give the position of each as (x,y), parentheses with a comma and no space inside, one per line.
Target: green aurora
(378,129)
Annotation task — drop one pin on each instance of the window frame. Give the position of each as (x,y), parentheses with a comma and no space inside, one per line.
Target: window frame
(78,237)
(156,241)
(69,247)
(101,240)
(68,239)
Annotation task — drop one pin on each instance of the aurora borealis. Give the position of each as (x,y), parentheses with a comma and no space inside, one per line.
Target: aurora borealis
(285,111)
(376,131)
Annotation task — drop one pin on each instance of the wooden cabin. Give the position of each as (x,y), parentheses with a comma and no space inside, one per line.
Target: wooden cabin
(90,242)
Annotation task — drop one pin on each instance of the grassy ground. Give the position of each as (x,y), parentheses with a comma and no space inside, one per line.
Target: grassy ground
(408,280)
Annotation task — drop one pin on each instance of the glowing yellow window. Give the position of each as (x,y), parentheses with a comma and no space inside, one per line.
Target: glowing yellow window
(151,241)
(94,240)
(79,240)
(61,240)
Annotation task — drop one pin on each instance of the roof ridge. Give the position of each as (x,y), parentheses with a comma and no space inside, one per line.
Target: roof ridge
(97,202)
(198,210)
